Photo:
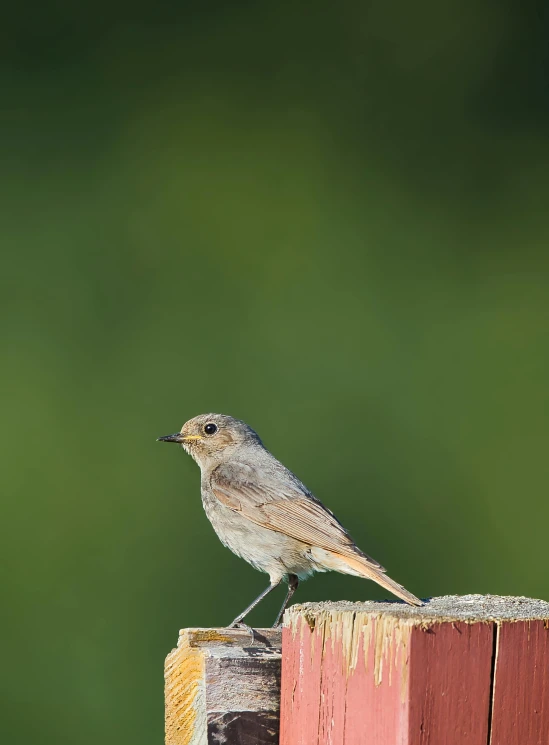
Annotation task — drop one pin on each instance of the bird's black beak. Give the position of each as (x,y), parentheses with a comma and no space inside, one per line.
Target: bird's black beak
(177,437)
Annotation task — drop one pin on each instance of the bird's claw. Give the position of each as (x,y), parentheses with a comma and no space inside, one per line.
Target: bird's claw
(240,625)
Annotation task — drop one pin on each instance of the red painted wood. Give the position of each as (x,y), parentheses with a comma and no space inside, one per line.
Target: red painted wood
(521,685)
(313,689)
(450,684)
(333,690)
(403,685)
(300,690)
(377,710)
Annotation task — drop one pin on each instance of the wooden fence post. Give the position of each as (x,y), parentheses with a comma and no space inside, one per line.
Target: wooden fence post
(471,670)
(223,687)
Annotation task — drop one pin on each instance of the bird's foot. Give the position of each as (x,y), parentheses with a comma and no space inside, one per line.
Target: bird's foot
(240,625)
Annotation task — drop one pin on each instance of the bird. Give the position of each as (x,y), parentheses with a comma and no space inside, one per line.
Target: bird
(264,514)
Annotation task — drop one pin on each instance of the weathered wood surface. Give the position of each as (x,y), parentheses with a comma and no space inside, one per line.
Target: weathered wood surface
(471,669)
(221,688)
(521,684)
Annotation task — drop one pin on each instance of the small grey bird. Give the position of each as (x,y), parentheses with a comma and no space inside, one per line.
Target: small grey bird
(265,515)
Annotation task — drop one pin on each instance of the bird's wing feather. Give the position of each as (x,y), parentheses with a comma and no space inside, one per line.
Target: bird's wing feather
(284,507)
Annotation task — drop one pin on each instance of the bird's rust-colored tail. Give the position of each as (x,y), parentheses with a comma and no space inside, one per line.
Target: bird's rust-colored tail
(363,568)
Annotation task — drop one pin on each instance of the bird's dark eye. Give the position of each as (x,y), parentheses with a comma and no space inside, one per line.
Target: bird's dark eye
(210,428)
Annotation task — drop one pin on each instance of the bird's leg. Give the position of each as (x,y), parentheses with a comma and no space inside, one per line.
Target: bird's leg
(293,582)
(258,599)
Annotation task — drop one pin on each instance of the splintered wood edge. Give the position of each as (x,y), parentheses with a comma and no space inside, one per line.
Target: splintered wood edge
(449,608)
(384,629)
(359,635)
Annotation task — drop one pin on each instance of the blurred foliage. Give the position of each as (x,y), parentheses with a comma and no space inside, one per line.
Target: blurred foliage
(329,220)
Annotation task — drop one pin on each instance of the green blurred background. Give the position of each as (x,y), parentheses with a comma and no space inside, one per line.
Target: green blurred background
(329,220)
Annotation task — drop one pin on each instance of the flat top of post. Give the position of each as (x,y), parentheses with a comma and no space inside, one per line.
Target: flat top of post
(447,608)
(233,643)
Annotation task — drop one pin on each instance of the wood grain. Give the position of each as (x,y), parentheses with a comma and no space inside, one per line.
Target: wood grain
(221,688)
(520,711)
(450,683)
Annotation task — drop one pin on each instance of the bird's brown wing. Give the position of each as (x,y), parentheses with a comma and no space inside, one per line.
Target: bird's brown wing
(279,504)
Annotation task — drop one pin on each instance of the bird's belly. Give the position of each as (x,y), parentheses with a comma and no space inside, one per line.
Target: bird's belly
(266,550)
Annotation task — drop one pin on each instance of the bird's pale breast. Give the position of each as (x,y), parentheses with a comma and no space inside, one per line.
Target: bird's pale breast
(266,550)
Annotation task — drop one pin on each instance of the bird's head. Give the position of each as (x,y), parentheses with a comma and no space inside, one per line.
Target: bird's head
(210,437)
